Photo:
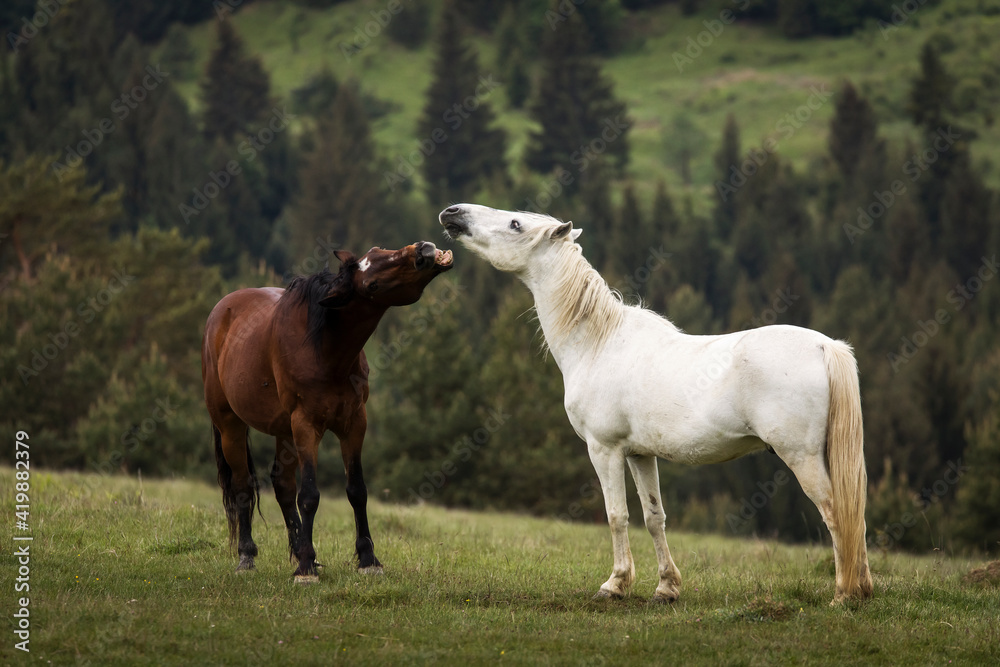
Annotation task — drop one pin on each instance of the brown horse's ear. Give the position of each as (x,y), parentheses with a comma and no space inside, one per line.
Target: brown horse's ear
(345,257)
(340,294)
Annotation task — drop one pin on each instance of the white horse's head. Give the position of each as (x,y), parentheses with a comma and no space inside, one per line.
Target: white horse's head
(508,240)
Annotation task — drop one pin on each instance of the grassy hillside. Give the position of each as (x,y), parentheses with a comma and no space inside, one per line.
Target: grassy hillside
(124,572)
(749,70)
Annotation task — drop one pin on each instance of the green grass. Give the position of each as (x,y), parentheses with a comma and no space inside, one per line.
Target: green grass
(749,70)
(130,574)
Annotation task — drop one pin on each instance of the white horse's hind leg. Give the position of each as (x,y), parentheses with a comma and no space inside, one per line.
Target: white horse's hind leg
(647,482)
(609,462)
(815,481)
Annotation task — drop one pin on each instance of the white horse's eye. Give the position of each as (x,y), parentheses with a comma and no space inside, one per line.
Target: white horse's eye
(515,225)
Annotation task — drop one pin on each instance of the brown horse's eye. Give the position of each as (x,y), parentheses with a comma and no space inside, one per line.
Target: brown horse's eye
(372,287)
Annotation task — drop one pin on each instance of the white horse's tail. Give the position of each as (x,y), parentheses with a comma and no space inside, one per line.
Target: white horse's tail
(845,460)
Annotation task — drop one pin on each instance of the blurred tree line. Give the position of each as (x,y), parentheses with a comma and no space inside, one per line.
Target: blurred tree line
(125,214)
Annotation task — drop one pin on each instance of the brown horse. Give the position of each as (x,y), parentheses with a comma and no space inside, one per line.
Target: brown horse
(289,363)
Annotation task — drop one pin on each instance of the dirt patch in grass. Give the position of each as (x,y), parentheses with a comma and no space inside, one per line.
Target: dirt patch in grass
(758,610)
(987,576)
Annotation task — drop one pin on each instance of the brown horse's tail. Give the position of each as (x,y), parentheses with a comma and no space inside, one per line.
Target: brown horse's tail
(230,499)
(845,459)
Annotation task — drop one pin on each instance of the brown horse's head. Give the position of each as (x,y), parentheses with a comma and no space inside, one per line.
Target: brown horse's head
(386,277)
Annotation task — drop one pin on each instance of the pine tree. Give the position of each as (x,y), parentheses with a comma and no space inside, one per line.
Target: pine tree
(458,108)
(853,132)
(236,89)
(977,510)
(628,245)
(682,140)
(581,120)
(929,106)
(728,158)
(39,212)
(930,93)
(666,222)
(966,212)
(340,190)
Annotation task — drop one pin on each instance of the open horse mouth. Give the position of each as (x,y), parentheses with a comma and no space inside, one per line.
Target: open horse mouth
(429,256)
(443,258)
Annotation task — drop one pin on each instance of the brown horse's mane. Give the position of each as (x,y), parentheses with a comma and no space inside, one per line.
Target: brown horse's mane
(308,291)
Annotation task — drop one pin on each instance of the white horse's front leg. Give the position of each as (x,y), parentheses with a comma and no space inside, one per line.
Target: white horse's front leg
(647,482)
(609,462)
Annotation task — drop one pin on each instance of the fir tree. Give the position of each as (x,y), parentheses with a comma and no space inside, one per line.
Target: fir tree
(628,245)
(726,159)
(929,106)
(458,108)
(40,212)
(853,132)
(682,140)
(236,89)
(666,222)
(930,93)
(581,120)
(340,191)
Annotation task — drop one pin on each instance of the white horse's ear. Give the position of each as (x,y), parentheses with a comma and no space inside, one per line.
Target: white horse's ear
(561,231)
(575,234)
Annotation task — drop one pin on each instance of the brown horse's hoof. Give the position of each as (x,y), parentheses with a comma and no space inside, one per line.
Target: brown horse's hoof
(306,579)
(246,564)
(371,569)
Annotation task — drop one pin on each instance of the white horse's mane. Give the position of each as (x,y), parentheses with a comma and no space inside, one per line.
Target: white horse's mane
(582,298)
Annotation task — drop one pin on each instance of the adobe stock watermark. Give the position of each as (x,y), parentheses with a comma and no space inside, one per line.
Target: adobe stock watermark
(225,8)
(891,533)
(901,13)
(453,118)
(785,127)
(655,260)
(577,508)
(749,507)
(713,29)
(87,311)
(960,295)
(914,168)
(420,321)
(783,300)
(581,159)
(320,257)
(462,450)
(47,9)
(561,12)
(364,34)
(121,108)
(248,149)
(135,436)
(721,361)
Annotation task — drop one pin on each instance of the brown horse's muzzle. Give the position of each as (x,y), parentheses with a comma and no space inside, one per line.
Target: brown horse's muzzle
(430,257)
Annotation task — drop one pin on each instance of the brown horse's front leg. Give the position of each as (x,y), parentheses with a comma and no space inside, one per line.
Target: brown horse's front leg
(286,462)
(357,494)
(307,440)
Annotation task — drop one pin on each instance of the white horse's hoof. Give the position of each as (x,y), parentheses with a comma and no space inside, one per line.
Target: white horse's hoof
(605,594)
(371,569)
(660,598)
(305,579)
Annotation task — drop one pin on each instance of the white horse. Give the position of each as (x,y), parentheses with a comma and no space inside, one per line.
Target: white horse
(638,388)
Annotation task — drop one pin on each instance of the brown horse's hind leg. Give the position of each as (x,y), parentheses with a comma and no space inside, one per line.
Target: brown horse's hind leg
(241,495)
(283,479)
(357,494)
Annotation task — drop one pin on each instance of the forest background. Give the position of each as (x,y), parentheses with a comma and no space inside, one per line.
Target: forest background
(732,164)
